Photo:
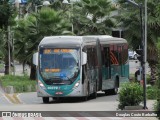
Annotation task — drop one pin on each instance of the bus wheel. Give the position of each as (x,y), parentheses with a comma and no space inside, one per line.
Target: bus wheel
(45,99)
(95,93)
(107,92)
(54,98)
(114,91)
(87,95)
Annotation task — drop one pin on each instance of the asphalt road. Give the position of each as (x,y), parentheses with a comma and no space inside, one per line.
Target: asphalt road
(102,103)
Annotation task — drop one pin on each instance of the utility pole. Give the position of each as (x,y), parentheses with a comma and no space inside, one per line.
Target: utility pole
(145,54)
(143,44)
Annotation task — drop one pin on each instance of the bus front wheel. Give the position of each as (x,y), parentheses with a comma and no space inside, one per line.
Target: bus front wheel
(45,99)
(87,94)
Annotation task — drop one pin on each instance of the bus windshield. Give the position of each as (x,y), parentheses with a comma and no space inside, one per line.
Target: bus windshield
(59,66)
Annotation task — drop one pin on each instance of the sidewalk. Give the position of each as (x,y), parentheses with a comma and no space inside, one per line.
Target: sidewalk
(150,104)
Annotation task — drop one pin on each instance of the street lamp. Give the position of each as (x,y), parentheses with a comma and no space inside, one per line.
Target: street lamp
(143,44)
(45,3)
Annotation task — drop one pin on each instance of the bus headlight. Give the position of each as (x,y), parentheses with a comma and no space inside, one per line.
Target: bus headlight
(76,85)
(41,84)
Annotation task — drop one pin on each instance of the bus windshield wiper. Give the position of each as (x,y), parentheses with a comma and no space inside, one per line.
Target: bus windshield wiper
(69,78)
(62,76)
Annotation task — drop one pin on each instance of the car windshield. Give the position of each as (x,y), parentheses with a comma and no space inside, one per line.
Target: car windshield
(59,65)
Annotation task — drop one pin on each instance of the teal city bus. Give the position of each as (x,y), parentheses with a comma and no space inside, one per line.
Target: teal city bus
(80,66)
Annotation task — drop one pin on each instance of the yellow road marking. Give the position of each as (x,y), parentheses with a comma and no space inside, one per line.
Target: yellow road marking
(13,98)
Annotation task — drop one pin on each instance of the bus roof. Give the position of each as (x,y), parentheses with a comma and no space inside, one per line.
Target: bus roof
(77,41)
(61,40)
(104,39)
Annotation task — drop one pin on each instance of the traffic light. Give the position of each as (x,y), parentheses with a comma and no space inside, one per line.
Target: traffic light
(140,54)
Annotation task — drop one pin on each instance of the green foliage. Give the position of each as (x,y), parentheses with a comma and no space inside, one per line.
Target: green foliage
(158,65)
(93,17)
(30,31)
(152,92)
(157,105)
(20,83)
(7,13)
(1,66)
(157,108)
(131,94)
(129,19)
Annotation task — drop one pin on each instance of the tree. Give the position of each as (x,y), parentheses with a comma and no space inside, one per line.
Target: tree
(90,17)
(31,31)
(2,50)
(130,20)
(7,15)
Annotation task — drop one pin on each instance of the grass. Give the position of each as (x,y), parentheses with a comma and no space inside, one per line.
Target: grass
(20,83)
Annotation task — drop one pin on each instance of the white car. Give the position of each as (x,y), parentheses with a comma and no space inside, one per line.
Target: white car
(132,54)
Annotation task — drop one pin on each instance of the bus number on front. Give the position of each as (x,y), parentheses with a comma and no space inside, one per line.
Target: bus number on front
(53,88)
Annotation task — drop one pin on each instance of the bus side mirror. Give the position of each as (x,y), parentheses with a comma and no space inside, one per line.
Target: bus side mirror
(84,58)
(35,58)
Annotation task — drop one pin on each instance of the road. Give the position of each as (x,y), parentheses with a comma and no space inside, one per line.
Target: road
(102,103)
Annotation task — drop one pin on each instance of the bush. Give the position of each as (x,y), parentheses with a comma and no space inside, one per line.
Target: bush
(152,92)
(131,94)
(157,108)
(20,83)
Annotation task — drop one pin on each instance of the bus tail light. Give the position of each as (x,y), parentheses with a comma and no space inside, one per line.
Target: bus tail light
(41,84)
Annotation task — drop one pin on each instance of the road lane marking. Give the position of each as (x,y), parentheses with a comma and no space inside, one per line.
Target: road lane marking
(12,98)
(7,99)
(18,96)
